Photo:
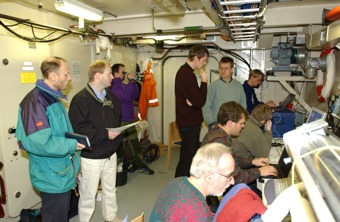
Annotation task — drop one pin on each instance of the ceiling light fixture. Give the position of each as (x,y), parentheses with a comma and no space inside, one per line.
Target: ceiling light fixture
(79,9)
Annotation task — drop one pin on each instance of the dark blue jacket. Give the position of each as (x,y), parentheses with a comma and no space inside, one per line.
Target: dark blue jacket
(252,100)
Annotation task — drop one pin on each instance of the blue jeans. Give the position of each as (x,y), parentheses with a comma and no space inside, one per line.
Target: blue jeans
(55,206)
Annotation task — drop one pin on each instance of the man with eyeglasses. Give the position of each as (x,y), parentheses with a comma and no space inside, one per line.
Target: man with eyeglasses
(92,111)
(222,90)
(183,199)
(231,118)
(254,80)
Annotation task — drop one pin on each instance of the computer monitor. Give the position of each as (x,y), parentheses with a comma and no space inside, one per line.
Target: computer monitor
(285,102)
(316,114)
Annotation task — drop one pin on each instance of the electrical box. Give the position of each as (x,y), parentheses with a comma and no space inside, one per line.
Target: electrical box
(283,122)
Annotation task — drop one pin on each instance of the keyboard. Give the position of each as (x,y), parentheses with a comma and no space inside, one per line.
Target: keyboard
(271,188)
(282,184)
(275,154)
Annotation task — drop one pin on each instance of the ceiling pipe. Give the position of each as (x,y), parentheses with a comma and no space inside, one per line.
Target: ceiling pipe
(205,30)
(199,11)
(153,19)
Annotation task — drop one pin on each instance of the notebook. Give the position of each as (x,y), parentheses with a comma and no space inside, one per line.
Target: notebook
(273,186)
(83,139)
(285,102)
(283,167)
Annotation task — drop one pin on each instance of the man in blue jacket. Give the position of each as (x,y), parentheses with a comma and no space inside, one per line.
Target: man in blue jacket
(255,79)
(42,122)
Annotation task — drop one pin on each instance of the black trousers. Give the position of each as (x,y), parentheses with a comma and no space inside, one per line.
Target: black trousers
(55,206)
(189,146)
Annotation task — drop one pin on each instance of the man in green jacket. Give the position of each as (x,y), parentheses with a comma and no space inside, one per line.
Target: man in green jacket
(54,162)
(223,90)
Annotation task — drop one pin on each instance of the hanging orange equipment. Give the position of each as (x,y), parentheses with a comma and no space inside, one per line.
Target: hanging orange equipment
(148,96)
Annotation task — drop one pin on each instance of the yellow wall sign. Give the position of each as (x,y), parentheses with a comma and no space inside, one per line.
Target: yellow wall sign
(28,77)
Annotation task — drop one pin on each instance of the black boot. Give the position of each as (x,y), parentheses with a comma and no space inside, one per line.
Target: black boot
(145,169)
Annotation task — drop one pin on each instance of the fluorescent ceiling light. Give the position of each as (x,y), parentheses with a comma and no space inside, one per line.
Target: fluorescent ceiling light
(78,9)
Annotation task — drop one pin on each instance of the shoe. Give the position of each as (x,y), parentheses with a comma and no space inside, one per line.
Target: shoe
(132,168)
(145,170)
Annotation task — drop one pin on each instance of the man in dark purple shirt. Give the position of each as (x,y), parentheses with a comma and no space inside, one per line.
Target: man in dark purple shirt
(190,98)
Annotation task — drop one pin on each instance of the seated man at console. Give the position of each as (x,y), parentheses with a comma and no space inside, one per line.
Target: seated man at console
(253,142)
(183,198)
(230,121)
(255,79)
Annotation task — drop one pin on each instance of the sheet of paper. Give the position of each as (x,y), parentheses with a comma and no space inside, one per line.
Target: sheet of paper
(120,129)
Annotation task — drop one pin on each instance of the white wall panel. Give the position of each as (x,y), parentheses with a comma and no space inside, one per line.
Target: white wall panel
(20,193)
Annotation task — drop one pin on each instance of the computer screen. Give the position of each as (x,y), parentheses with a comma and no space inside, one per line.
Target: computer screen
(316,114)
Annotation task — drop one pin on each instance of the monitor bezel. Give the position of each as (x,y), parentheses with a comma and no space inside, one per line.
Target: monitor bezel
(314,109)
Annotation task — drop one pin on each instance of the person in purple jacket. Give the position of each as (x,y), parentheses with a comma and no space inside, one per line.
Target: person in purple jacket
(126,94)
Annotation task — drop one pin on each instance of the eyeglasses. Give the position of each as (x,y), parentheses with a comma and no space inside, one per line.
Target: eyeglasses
(229,178)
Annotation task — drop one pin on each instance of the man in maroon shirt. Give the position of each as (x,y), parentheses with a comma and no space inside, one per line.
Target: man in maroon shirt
(190,98)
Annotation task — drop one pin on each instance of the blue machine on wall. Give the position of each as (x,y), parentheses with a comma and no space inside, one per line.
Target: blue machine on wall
(285,55)
(293,57)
